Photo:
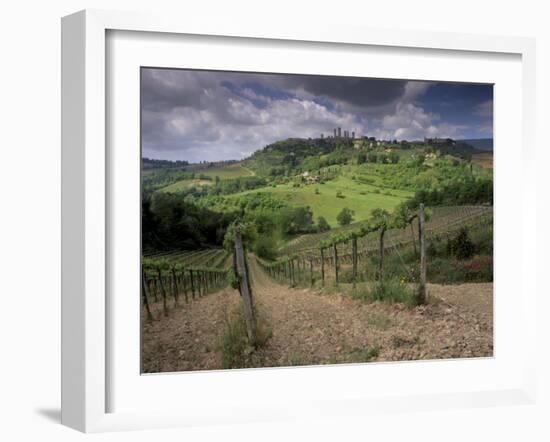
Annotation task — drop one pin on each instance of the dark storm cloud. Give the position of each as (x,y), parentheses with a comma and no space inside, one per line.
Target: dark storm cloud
(354,91)
(212,115)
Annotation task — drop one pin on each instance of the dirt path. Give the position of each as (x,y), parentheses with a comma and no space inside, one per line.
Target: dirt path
(314,327)
(310,327)
(188,338)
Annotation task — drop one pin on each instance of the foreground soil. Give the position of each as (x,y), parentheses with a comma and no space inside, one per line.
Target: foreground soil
(310,326)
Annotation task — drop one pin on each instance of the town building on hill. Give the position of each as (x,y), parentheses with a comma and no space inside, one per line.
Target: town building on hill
(440,141)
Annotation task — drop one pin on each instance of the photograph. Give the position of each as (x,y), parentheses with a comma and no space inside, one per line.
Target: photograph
(292,220)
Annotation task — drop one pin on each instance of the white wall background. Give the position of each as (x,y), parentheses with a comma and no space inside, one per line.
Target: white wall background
(30,214)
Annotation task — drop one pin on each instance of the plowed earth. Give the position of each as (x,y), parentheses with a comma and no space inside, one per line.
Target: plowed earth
(312,326)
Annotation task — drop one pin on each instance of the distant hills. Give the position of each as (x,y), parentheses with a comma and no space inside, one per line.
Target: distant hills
(485,144)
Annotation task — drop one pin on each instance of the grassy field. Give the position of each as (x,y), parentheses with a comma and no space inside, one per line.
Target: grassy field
(362,198)
(227,172)
(185,184)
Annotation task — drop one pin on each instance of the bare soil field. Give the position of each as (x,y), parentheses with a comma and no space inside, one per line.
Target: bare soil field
(483,159)
(313,326)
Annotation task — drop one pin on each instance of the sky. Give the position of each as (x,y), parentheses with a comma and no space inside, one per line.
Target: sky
(213,115)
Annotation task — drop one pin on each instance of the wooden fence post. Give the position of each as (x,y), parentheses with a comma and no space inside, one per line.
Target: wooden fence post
(335,262)
(413,238)
(422,286)
(244,287)
(145,295)
(163,291)
(153,283)
(311,272)
(175,287)
(184,286)
(323,267)
(206,282)
(192,283)
(354,259)
(381,257)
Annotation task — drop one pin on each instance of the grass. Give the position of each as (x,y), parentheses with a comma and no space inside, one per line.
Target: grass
(364,354)
(378,321)
(236,349)
(391,291)
(186,184)
(401,341)
(361,198)
(229,171)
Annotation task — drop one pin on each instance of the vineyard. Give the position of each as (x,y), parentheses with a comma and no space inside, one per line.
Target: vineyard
(306,260)
(267,286)
(288,295)
(311,258)
(444,221)
(190,274)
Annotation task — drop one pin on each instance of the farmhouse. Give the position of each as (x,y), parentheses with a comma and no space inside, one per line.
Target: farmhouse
(309,178)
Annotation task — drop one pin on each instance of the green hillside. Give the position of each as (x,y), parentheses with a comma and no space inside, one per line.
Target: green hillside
(323,200)
(224,172)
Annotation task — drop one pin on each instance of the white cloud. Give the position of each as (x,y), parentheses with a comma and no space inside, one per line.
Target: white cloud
(411,122)
(200,116)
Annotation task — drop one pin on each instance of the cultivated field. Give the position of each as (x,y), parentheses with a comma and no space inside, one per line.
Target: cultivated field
(484,160)
(322,326)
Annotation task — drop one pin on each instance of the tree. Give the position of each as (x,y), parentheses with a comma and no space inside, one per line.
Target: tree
(296,219)
(393,157)
(345,217)
(322,224)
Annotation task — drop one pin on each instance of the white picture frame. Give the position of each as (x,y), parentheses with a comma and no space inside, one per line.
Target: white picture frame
(86,356)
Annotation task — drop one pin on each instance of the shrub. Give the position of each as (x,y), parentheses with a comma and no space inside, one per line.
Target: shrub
(390,290)
(266,247)
(322,224)
(345,217)
(237,351)
(364,354)
(461,246)
(477,269)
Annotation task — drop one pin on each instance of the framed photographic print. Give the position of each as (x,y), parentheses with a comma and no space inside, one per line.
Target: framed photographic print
(282,223)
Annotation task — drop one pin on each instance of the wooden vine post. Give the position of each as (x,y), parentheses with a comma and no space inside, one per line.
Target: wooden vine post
(311,272)
(184,283)
(163,292)
(335,261)
(244,286)
(413,239)
(354,259)
(192,283)
(421,299)
(322,267)
(153,283)
(144,290)
(381,257)
(175,286)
